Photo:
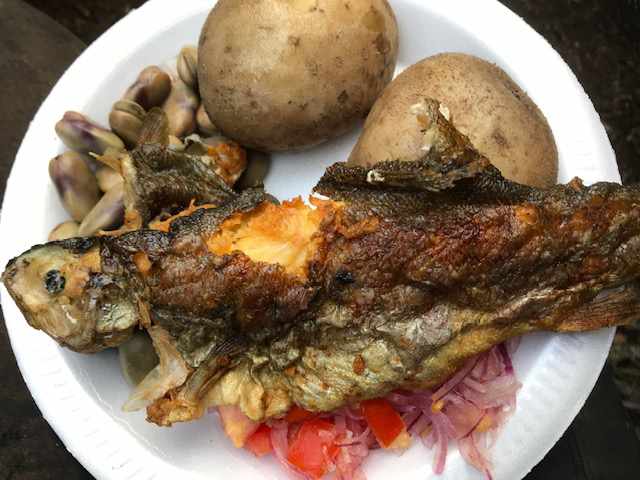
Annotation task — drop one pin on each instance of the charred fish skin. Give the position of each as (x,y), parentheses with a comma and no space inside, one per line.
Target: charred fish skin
(412,284)
(416,266)
(62,290)
(158,178)
(89,294)
(415,283)
(482,262)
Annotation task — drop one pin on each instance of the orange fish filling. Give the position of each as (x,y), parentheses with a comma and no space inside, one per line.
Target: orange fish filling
(279,234)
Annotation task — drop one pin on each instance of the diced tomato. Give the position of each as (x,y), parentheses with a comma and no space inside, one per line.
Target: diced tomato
(298,414)
(313,448)
(385,423)
(236,424)
(260,442)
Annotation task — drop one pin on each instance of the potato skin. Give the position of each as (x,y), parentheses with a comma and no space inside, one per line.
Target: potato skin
(485,104)
(289,74)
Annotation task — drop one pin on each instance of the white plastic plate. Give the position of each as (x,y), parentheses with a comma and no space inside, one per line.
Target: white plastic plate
(81,396)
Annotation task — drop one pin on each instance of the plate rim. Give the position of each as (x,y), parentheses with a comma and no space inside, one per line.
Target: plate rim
(74,436)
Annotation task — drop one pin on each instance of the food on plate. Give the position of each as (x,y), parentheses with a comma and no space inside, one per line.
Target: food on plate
(76,184)
(107,214)
(159,108)
(187,66)
(151,88)
(107,178)
(277,75)
(205,125)
(157,178)
(482,101)
(364,305)
(64,230)
(84,136)
(397,279)
(258,164)
(181,107)
(137,358)
(126,119)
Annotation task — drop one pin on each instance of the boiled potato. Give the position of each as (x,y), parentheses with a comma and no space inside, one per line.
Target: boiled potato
(289,74)
(483,103)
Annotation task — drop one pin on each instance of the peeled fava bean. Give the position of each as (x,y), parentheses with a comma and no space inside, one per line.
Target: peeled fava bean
(205,125)
(181,108)
(258,165)
(126,119)
(108,178)
(176,144)
(64,231)
(188,66)
(108,213)
(76,184)
(82,135)
(150,89)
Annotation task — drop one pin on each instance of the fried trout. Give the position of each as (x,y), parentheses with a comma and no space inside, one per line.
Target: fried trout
(392,279)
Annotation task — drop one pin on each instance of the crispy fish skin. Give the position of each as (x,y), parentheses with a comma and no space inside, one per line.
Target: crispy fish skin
(159,180)
(406,296)
(406,299)
(411,268)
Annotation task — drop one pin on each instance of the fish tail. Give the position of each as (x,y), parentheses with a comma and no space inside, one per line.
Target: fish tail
(611,308)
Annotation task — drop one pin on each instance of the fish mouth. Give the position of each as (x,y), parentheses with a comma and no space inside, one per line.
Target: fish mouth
(61,290)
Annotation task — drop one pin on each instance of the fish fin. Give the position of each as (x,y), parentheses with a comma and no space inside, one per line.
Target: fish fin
(609,309)
(185,404)
(155,128)
(157,178)
(446,157)
(206,221)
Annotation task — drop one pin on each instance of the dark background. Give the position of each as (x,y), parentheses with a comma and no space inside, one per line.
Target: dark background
(599,39)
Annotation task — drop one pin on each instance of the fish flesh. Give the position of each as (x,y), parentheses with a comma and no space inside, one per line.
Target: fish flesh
(391,279)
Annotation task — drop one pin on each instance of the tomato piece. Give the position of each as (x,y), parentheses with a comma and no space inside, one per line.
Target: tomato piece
(260,442)
(313,448)
(385,423)
(298,414)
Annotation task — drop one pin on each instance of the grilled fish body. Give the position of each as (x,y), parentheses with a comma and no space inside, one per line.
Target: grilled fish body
(406,271)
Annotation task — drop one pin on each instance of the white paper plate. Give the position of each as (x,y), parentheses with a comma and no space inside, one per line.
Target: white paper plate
(80,396)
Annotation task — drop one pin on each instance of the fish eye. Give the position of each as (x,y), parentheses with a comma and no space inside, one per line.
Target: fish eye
(54,282)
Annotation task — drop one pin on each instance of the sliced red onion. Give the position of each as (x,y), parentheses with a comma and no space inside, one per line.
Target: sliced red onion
(352,413)
(482,393)
(505,357)
(469,451)
(464,418)
(280,444)
(475,385)
(411,417)
(442,444)
(420,425)
(455,380)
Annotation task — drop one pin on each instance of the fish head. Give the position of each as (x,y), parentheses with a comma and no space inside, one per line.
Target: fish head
(61,289)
